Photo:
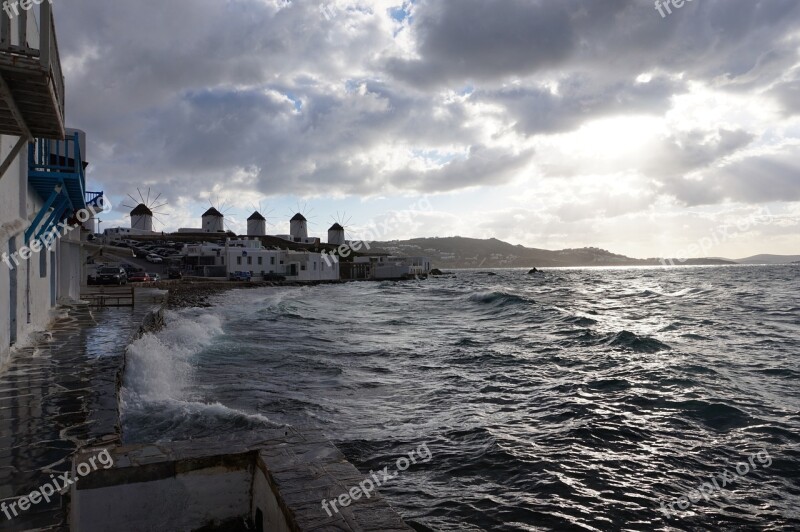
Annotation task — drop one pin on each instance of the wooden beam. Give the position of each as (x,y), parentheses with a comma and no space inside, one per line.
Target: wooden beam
(13,155)
(5,93)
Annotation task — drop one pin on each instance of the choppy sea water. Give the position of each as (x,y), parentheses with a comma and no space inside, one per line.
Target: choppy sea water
(570,400)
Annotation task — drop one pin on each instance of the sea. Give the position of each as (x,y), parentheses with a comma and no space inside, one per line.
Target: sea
(572,399)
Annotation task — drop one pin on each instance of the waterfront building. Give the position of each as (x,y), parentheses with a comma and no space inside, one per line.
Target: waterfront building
(250,256)
(383,267)
(42,181)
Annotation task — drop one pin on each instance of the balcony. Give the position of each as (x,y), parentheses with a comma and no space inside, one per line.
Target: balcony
(57,172)
(31,81)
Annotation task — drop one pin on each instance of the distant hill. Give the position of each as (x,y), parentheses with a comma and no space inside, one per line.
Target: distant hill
(459,252)
(770,259)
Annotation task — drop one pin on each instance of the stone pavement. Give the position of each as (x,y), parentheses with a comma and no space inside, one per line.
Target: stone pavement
(57,397)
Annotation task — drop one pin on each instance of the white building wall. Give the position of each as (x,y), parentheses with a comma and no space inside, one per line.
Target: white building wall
(307,266)
(256,228)
(70,268)
(18,206)
(213,224)
(298,229)
(336,237)
(13,211)
(142,223)
(312,267)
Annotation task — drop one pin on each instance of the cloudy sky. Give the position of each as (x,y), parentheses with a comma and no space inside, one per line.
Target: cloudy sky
(547,123)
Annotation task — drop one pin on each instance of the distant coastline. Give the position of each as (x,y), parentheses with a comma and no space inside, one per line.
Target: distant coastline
(471,253)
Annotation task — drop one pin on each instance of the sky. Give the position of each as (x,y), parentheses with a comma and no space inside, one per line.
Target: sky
(548,123)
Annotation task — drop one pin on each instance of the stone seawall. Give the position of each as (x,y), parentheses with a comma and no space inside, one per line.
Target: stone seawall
(273,479)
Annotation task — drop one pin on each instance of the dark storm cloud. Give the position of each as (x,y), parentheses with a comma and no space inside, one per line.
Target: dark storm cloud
(756,179)
(539,110)
(479,40)
(686,152)
(194,92)
(788,96)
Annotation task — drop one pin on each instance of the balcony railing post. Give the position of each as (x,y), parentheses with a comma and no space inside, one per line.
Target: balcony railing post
(45,30)
(5,30)
(22,28)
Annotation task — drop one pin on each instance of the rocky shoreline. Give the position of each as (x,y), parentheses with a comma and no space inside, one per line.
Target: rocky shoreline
(186,294)
(196,293)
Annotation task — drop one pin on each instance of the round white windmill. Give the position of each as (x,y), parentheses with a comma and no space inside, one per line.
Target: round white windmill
(144,211)
(257,222)
(336,234)
(298,225)
(214,217)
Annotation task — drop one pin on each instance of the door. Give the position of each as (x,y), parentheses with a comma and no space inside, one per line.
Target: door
(12,272)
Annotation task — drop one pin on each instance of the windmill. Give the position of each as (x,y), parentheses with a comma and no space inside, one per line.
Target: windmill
(257,222)
(214,217)
(143,211)
(337,232)
(299,223)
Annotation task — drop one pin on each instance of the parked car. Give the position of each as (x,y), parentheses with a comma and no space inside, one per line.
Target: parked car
(112,275)
(154,277)
(140,277)
(174,273)
(155,259)
(241,276)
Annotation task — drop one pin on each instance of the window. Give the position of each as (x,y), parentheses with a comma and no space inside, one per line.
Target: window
(43,263)
(249,260)
(239,261)
(272,261)
(260,262)
(315,265)
(303,267)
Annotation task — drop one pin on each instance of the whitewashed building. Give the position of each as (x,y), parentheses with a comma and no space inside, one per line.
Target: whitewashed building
(42,181)
(249,256)
(386,267)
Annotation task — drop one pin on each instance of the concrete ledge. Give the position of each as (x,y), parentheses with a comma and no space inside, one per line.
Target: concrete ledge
(273,480)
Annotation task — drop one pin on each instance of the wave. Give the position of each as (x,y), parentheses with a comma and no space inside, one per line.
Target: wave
(634,342)
(497,298)
(158,366)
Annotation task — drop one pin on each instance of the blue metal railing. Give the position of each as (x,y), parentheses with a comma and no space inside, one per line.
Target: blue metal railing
(94,199)
(56,155)
(56,171)
(60,159)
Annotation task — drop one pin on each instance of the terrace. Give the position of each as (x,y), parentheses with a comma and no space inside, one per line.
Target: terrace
(31,81)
